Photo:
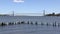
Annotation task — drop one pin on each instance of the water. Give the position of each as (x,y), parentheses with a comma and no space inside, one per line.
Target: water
(28,28)
(39,19)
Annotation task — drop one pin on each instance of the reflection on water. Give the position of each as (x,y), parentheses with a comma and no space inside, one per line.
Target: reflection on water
(29,29)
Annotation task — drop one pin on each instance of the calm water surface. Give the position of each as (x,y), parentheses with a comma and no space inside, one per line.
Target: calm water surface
(29,29)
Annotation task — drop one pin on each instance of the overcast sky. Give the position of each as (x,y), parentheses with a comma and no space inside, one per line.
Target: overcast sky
(29,6)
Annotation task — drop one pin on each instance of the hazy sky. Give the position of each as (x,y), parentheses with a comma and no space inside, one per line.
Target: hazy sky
(29,6)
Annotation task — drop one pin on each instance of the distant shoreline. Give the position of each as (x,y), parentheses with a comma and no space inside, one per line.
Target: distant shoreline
(53,14)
